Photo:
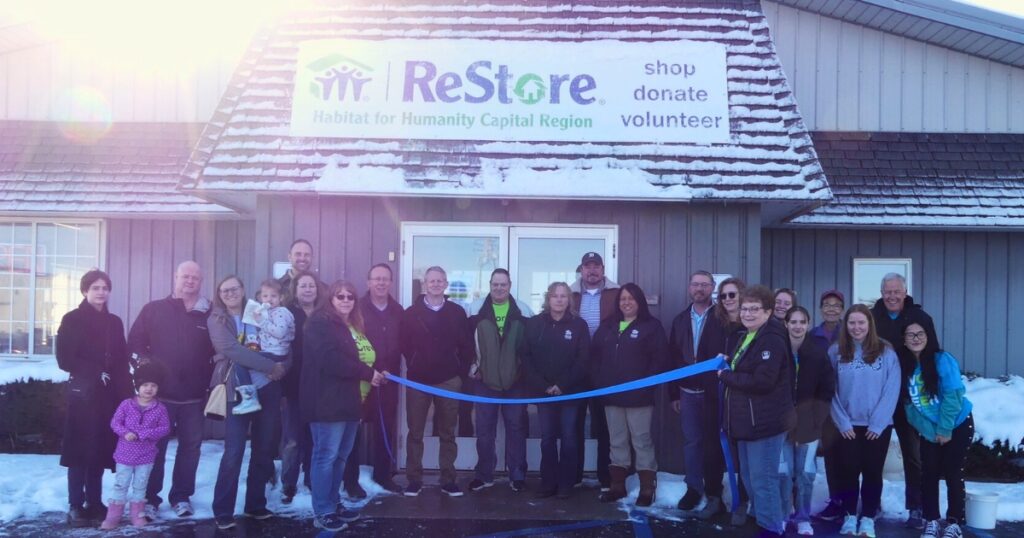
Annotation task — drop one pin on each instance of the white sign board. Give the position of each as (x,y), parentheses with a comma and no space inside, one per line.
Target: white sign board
(449,89)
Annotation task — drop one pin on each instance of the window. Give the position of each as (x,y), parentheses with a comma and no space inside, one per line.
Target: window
(40,267)
(868,273)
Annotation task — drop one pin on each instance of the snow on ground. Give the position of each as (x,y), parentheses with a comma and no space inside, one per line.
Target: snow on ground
(998,409)
(671,488)
(33,484)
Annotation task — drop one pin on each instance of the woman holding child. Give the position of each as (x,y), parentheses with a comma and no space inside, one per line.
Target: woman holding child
(229,336)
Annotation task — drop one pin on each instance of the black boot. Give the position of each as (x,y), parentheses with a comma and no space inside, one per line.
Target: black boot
(78,517)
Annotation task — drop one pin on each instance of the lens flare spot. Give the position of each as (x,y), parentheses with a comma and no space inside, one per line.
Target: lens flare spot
(84,113)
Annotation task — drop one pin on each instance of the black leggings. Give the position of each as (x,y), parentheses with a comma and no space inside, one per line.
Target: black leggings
(861,466)
(945,460)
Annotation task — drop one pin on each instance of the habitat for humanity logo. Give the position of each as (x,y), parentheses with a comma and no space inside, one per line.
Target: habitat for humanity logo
(337,74)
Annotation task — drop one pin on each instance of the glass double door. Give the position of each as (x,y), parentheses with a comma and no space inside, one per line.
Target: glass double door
(535,256)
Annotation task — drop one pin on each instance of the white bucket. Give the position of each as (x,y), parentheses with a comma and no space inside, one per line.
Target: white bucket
(981,510)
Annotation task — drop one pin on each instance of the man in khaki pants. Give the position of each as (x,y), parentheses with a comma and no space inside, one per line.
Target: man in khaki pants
(438,350)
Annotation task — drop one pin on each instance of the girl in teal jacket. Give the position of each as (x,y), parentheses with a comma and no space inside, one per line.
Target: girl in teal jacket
(936,407)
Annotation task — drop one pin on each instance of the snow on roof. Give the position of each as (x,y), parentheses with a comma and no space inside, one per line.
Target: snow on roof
(99,169)
(921,179)
(247,145)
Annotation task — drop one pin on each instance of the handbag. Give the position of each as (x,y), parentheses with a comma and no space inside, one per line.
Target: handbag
(217,403)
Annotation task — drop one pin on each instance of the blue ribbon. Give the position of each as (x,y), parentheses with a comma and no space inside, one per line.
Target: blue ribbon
(666,377)
(726,447)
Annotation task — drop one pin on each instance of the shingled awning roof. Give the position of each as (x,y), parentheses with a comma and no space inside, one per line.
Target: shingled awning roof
(247,147)
(83,168)
(921,179)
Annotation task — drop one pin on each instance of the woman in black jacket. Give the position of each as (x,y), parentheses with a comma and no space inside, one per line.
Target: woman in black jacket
(630,344)
(815,387)
(330,399)
(91,347)
(306,295)
(759,403)
(554,355)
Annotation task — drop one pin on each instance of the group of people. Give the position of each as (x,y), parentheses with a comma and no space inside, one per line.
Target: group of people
(312,361)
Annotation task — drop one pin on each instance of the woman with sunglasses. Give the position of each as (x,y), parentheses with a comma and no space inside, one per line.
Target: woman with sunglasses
(336,372)
(228,334)
(867,390)
(937,409)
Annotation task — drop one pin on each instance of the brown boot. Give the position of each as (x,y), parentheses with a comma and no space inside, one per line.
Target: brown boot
(648,487)
(618,485)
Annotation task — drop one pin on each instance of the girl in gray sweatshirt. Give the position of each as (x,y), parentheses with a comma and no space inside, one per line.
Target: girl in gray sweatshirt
(867,390)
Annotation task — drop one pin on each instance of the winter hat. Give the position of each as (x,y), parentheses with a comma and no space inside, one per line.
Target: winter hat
(149,372)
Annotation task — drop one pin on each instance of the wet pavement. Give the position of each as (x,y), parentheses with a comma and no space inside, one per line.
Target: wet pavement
(496,512)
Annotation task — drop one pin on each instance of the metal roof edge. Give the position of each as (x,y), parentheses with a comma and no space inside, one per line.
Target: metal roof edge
(961,15)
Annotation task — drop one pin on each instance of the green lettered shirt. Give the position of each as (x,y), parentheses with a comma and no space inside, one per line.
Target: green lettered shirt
(367,356)
(500,314)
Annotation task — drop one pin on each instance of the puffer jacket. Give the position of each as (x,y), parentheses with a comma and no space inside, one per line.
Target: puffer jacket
(759,388)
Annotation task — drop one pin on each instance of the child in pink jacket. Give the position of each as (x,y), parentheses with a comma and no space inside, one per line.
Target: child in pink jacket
(139,423)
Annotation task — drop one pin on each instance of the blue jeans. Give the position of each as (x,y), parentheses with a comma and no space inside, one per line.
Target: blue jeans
(265,425)
(558,464)
(691,417)
(487,429)
(799,466)
(332,442)
(759,468)
(296,445)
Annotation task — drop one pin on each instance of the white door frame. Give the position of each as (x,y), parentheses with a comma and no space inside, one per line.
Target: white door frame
(508,257)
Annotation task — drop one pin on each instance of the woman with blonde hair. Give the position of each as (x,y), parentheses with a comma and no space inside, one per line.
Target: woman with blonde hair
(554,354)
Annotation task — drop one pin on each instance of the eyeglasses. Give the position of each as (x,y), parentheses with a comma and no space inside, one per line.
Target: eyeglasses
(700,284)
(345,297)
(230,291)
(831,306)
(728,295)
(750,309)
(917,336)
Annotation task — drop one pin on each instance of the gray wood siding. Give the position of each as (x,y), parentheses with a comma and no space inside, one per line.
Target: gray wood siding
(659,245)
(142,255)
(967,281)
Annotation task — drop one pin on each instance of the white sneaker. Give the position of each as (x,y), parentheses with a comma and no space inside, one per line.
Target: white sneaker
(150,512)
(804,528)
(932,529)
(952,531)
(183,509)
(849,527)
(867,527)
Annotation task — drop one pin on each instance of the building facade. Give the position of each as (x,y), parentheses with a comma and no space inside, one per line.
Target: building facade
(848,140)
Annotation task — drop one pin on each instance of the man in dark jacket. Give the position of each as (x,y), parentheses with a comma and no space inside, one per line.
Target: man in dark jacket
(698,336)
(498,330)
(893,313)
(173,332)
(594,298)
(382,318)
(438,349)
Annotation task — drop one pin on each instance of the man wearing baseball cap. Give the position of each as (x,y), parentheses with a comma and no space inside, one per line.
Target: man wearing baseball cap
(595,297)
(832,303)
